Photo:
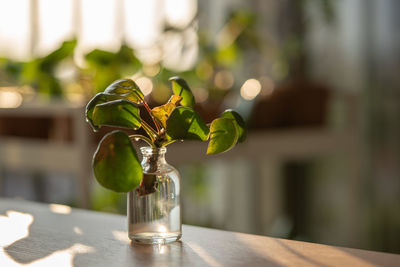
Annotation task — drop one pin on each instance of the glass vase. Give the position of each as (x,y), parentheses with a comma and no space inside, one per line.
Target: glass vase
(154,214)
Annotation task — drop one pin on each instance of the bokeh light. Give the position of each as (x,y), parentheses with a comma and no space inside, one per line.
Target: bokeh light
(267,86)
(250,89)
(145,84)
(200,94)
(180,13)
(224,79)
(10,98)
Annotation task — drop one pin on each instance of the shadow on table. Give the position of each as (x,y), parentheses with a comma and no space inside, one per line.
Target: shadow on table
(57,237)
(372,257)
(61,236)
(222,248)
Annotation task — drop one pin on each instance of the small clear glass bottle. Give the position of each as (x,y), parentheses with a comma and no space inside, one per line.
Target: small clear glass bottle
(154,214)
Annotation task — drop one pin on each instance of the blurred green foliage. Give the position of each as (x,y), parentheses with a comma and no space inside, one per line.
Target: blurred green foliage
(101,67)
(106,200)
(39,73)
(104,67)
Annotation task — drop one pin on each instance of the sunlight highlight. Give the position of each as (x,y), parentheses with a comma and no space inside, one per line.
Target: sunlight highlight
(161,249)
(55,25)
(15,28)
(179,13)
(10,98)
(78,230)
(121,236)
(161,229)
(14,226)
(202,253)
(145,85)
(60,209)
(250,89)
(143,22)
(287,252)
(95,30)
(151,70)
(62,258)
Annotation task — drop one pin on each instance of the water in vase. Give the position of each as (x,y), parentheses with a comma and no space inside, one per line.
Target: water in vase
(155,217)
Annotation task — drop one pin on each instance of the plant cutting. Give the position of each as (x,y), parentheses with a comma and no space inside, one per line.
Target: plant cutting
(153,185)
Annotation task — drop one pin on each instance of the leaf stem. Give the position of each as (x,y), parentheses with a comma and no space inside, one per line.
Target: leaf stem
(151,115)
(144,138)
(168,142)
(149,130)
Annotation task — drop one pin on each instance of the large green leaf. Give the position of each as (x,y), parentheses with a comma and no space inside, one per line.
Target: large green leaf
(120,113)
(97,99)
(223,135)
(238,120)
(127,89)
(115,163)
(182,89)
(185,123)
(161,113)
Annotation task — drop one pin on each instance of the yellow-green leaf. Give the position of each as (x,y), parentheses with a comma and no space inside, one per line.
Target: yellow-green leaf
(119,113)
(161,113)
(185,123)
(182,89)
(238,120)
(223,135)
(115,163)
(127,89)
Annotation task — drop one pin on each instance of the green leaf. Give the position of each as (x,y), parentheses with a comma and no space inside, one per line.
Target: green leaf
(127,89)
(182,89)
(185,123)
(161,113)
(120,113)
(223,135)
(239,122)
(115,163)
(100,57)
(64,51)
(97,99)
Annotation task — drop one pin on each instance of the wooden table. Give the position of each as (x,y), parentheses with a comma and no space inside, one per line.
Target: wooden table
(33,234)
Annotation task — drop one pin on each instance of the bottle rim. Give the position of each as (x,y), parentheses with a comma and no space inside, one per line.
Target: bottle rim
(148,150)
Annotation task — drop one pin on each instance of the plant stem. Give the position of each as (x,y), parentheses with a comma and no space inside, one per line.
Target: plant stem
(144,138)
(149,130)
(151,115)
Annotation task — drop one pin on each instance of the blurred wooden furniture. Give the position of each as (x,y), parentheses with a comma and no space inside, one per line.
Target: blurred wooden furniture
(57,235)
(246,185)
(288,144)
(58,152)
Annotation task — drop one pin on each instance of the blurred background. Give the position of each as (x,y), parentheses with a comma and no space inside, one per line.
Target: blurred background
(316,80)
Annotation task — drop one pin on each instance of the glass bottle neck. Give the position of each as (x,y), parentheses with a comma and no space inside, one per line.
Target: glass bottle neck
(153,158)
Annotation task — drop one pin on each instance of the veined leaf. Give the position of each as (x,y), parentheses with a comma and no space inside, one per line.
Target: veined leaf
(239,122)
(97,99)
(120,113)
(185,123)
(223,135)
(161,113)
(115,163)
(127,89)
(182,89)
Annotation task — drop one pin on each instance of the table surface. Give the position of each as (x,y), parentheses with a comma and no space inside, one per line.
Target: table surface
(33,234)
